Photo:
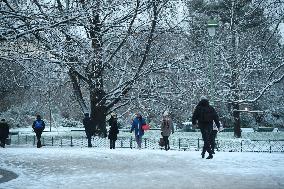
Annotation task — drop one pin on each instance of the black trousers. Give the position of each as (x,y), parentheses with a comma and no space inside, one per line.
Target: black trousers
(206,132)
(212,139)
(38,136)
(112,144)
(89,137)
(167,143)
(3,140)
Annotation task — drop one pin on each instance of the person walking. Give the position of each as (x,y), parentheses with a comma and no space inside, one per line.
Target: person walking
(137,128)
(38,127)
(113,131)
(4,132)
(89,130)
(205,114)
(166,129)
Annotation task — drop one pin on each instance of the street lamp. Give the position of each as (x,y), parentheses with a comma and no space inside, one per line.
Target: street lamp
(211,27)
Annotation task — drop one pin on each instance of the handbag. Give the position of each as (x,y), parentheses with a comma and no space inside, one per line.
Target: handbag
(161,142)
(145,127)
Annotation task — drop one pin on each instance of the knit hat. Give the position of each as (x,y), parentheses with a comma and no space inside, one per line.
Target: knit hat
(203,97)
(166,113)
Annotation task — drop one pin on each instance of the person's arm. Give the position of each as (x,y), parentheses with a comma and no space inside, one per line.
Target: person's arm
(195,116)
(33,126)
(43,125)
(132,126)
(7,130)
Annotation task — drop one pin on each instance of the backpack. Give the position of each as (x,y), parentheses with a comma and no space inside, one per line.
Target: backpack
(38,124)
(206,114)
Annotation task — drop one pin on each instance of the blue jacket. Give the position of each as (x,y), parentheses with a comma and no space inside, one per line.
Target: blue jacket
(137,126)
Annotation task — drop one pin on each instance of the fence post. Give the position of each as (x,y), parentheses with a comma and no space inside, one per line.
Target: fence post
(241,145)
(121,143)
(61,142)
(51,141)
(18,138)
(43,141)
(217,146)
(26,139)
(269,146)
(198,145)
(71,141)
(145,139)
(179,141)
(131,142)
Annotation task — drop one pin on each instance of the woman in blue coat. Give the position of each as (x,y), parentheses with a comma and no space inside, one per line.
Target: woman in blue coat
(137,127)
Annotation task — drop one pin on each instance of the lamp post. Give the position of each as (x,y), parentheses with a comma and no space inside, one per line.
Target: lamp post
(211,27)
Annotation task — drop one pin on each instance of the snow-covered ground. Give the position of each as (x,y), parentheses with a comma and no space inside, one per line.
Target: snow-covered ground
(91,168)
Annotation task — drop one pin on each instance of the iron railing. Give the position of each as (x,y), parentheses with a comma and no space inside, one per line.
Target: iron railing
(229,145)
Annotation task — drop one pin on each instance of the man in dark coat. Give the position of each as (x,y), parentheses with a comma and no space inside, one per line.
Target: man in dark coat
(113,131)
(4,132)
(38,127)
(205,115)
(87,122)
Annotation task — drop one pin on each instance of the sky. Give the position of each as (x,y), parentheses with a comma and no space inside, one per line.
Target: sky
(91,168)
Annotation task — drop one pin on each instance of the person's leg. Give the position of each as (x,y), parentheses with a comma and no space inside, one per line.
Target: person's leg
(203,138)
(212,141)
(89,137)
(110,144)
(166,144)
(2,140)
(139,141)
(207,133)
(38,136)
(113,144)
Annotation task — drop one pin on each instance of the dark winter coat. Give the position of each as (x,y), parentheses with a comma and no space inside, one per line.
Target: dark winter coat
(4,129)
(205,115)
(113,131)
(89,126)
(137,126)
(38,129)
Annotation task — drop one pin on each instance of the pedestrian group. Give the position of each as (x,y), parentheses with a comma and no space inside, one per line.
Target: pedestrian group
(204,116)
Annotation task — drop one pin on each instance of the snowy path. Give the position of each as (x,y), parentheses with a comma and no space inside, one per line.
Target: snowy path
(89,168)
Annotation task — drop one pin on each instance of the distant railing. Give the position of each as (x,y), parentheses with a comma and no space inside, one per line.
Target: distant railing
(229,145)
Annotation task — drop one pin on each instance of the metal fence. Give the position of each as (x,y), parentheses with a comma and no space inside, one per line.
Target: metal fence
(229,145)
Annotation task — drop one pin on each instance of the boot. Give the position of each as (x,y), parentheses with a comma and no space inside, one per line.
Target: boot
(210,156)
(202,154)
(38,145)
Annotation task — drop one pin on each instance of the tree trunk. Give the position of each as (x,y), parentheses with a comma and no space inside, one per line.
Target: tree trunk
(98,112)
(237,122)
(235,77)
